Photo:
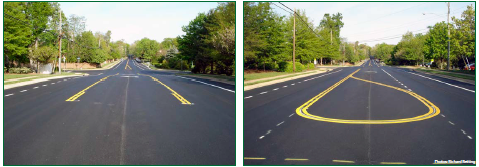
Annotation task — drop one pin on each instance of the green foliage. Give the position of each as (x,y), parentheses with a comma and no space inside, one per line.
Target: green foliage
(288,67)
(310,66)
(382,51)
(22,70)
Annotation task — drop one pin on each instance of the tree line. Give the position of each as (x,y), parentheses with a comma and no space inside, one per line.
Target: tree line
(208,45)
(268,39)
(32,37)
(414,49)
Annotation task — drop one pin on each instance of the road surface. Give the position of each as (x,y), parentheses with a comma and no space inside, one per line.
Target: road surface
(127,115)
(367,115)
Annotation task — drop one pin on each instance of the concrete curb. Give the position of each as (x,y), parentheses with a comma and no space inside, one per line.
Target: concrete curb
(251,87)
(34,81)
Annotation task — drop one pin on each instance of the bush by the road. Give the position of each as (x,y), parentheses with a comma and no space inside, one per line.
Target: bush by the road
(288,67)
(23,70)
(310,66)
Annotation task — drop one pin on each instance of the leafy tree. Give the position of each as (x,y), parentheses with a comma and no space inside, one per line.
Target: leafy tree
(16,32)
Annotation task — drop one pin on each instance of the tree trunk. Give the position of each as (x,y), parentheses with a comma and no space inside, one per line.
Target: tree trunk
(264,65)
(212,64)
(321,63)
(38,65)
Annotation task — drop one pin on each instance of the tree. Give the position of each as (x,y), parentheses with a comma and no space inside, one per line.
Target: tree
(436,43)
(464,39)
(42,54)
(16,33)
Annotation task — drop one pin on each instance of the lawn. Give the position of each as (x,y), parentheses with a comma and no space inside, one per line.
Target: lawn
(34,76)
(449,74)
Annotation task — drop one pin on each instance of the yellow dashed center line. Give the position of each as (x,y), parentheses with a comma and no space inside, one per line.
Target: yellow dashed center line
(343,161)
(77,95)
(254,158)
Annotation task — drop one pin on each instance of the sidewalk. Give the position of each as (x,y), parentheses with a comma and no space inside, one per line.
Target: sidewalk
(34,81)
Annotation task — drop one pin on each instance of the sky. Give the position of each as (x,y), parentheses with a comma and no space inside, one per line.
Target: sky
(133,21)
(378,22)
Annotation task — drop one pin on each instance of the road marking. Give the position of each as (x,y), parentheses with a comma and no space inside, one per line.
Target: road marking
(53,83)
(77,95)
(469,137)
(285,86)
(23,91)
(209,84)
(409,90)
(392,163)
(59,81)
(44,85)
(291,115)
(248,97)
(463,131)
(280,123)
(35,87)
(295,159)
(442,82)
(254,158)
(276,89)
(443,115)
(343,161)
(292,84)
(451,123)
(9,95)
(269,131)
(263,93)
(178,96)
(302,110)
(405,86)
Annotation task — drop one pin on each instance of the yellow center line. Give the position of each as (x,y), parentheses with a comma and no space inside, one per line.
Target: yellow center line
(393,163)
(302,110)
(176,95)
(77,95)
(254,158)
(343,161)
(295,159)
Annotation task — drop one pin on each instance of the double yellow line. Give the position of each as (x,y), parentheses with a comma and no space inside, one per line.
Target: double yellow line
(127,66)
(77,95)
(302,110)
(176,95)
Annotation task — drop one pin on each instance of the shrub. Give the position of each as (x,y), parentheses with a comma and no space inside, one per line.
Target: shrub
(267,66)
(288,67)
(23,70)
(4,69)
(310,66)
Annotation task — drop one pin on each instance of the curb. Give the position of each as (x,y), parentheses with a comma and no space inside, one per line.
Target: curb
(34,81)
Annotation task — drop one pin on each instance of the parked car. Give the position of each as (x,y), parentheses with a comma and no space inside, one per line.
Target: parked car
(472,66)
(427,64)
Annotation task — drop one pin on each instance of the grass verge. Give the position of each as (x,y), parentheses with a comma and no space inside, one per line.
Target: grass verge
(449,74)
(37,76)
(261,75)
(272,79)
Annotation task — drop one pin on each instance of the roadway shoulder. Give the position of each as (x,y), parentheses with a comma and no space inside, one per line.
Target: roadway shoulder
(472,82)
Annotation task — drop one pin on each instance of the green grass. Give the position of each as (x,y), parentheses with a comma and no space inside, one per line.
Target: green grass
(267,80)
(464,71)
(19,76)
(253,76)
(449,74)
(228,78)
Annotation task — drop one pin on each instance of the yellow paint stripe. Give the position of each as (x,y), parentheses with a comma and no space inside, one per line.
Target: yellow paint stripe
(295,159)
(302,110)
(254,158)
(174,93)
(393,163)
(77,95)
(343,161)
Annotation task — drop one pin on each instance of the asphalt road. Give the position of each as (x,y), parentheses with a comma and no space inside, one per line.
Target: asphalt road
(127,115)
(341,118)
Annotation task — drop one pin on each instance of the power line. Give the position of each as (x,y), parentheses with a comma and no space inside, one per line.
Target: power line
(389,14)
(301,19)
(9,16)
(389,37)
(281,8)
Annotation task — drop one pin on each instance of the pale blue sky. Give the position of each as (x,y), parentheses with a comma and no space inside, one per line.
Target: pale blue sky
(135,20)
(368,21)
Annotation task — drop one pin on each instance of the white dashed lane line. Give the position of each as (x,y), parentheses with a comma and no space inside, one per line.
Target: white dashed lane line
(280,123)
(44,85)
(276,89)
(35,87)
(285,86)
(207,84)
(396,80)
(451,123)
(8,95)
(23,91)
(441,82)
(263,93)
(248,97)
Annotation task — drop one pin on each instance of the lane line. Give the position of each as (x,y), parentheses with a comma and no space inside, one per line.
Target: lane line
(9,94)
(295,159)
(254,158)
(44,85)
(442,82)
(285,86)
(280,123)
(174,93)
(451,123)
(291,115)
(263,93)
(35,87)
(343,161)
(469,137)
(261,137)
(208,84)
(77,95)
(248,97)
(23,91)
(276,89)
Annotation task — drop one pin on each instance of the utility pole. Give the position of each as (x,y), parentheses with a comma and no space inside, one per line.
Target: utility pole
(448,35)
(60,45)
(294,39)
